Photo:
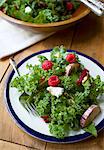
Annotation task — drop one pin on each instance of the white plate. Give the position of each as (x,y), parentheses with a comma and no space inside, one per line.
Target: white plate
(35,126)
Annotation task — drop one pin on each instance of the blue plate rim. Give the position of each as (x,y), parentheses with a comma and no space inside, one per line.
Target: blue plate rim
(31,132)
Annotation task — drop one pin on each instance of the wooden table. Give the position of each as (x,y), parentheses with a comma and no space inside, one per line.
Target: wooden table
(87,37)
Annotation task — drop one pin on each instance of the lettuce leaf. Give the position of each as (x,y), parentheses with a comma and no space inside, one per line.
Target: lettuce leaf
(91,129)
(2,2)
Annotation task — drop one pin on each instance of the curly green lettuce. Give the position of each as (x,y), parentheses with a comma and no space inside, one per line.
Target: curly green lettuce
(65,111)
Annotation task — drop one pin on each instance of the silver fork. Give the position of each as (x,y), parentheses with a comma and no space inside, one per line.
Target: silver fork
(95,5)
(28,106)
(31,109)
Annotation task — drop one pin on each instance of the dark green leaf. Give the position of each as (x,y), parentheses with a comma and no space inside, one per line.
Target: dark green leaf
(91,129)
(2,2)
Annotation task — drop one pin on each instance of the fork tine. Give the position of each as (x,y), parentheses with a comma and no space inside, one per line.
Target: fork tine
(31,109)
(27,108)
(33,106)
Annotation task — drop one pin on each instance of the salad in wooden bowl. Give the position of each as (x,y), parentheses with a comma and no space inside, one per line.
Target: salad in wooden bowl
(43,15)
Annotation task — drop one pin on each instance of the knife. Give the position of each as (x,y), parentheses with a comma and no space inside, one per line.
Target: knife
(95,5)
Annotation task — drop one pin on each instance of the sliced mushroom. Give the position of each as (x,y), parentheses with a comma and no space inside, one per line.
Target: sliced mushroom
(89,115)
(71,67)
(68,70)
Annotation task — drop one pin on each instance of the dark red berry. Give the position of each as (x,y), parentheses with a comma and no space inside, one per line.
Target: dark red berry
(47,64)
(45,118)
(53,80)
(71,58)
(69,6)
(83,74)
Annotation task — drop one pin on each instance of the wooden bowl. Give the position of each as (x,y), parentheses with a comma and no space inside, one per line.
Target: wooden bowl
(81,12)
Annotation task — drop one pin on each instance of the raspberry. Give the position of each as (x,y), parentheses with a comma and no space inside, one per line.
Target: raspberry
(47,65)
(71,58)
(69,6)
(53,81)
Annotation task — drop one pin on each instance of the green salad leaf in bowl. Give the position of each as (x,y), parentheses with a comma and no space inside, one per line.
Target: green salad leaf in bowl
(62,91)
(39,11)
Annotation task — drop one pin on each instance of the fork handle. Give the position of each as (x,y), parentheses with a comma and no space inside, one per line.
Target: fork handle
(14,65)
(95,5)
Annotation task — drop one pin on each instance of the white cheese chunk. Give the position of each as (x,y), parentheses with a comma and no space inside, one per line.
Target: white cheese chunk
(55,91)
(28,9)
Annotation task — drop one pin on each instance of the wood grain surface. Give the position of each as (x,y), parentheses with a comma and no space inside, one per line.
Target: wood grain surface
(10,146)
(87,37)
(8,129)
